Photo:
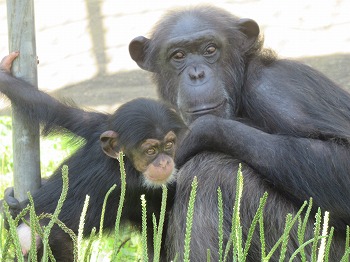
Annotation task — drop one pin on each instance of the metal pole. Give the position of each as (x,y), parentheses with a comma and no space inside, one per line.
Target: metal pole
(26,147)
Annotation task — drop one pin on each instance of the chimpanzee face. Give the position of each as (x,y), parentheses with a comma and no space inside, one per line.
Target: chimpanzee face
(155,159)
(198,62)
(194,62)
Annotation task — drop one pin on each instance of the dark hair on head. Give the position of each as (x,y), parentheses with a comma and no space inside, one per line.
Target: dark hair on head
(143,118)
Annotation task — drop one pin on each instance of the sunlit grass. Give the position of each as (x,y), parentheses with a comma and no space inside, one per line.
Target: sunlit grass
(54,149)
(127,245)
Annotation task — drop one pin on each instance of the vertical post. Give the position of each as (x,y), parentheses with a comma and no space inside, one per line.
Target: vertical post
(26,147)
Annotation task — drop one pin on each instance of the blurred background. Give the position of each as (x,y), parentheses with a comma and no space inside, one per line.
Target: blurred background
(82,45)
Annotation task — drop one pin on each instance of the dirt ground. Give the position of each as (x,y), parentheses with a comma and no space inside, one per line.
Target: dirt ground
(124,86)
(83,44)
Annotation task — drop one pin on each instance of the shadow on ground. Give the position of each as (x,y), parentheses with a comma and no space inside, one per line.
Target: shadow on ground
(336,67)
(112,90)
(107,92)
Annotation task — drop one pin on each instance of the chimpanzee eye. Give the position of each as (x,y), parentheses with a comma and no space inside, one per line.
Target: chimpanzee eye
(210,50)
(178,55)
(151,151)
(169,145)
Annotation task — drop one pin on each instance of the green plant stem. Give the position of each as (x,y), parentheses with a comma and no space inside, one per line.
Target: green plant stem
(120,205)
(189,219)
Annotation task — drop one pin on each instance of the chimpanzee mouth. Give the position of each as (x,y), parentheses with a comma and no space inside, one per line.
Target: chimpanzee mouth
(206,109)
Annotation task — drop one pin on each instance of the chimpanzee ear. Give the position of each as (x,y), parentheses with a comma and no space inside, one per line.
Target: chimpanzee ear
(109,143)
(251,29)
(137,49)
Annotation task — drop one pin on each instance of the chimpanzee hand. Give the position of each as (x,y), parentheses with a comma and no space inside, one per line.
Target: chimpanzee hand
(203,135)
(12,202)
(6,62)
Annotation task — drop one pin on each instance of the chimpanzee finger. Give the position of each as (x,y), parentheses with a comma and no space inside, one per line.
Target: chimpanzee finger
(12,202)
(6,62)
(10,198)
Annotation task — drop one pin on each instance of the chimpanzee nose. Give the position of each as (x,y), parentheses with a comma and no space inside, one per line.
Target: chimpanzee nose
(163,162)
(196,73)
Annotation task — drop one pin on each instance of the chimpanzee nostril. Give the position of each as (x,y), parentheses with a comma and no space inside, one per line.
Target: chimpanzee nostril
(195,74)
(192,76)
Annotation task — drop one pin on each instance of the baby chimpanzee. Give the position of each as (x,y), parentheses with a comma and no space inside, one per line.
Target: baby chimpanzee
(145,130)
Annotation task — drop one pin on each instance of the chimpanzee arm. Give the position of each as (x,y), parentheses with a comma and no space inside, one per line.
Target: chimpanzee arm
(298,137)
(300,167)
(49,111)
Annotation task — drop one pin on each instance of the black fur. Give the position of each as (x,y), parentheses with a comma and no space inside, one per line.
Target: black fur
(91,172)
(288,124)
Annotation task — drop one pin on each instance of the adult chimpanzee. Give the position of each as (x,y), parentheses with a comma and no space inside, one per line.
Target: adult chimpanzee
(145,130)
(288,124)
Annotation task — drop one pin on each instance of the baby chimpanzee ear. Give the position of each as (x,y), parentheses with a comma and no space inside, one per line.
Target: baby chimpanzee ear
(109,143)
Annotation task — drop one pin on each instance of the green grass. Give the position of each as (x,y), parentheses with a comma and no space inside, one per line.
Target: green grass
(126,245)
(54,149)
(6,163)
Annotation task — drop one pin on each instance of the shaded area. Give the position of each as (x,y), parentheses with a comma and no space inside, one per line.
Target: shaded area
(112,90)
(97,33)
(336,67)
(107,92)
